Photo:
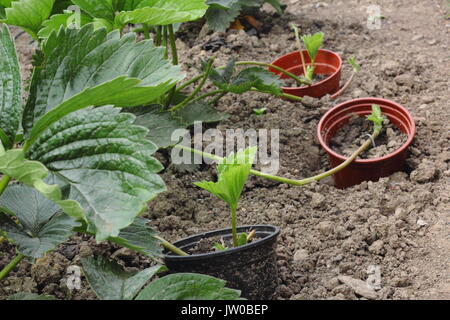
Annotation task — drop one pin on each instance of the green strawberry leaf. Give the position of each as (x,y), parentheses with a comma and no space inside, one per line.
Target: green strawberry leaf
(42,226)
(97,8)
(312,44)
(233,173)
(140,237)
(221,4)
(10,89)
(56,21)
(163,12)
(257,78)
(110,282)
(221,78)
(103,162)
(200,111)
(82,67)
(32,173)
(28,14)
(161,125)
(188,286)
(219,19)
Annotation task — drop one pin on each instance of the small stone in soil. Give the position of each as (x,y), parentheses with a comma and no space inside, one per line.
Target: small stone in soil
(325,227)
(300,255)
(360,287)
(425,172)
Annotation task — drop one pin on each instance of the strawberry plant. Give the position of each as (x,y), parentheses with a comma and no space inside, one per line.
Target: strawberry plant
(80,162)
(69,146)
(173,108)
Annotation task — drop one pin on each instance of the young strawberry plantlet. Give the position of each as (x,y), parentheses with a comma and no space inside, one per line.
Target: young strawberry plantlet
(259,111)
(312,44)
(318,69)
(233,172)
(244,256)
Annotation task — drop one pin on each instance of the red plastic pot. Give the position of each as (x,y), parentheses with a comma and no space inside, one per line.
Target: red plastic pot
(327,63)
(365,169)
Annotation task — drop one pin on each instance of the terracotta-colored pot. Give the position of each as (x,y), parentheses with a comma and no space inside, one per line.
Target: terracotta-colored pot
(327,63)
(365,169)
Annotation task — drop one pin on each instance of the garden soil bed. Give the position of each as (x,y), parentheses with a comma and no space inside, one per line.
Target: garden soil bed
(330,239)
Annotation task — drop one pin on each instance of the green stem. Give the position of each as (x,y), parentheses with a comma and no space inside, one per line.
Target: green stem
(166,244)
(165,42)
(216,99)
(189,82)
(234,226)
(268,65)
(146,30)
(173,45)
(197,90)
(158,36)
(4,183)
(284,95)
(291,97)
(299,47)
(6,270)
(208,94)
(241,63)
(295,182)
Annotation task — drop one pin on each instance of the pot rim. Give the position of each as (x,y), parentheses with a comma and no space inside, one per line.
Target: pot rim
(273,234)
(370,100)
(317,84)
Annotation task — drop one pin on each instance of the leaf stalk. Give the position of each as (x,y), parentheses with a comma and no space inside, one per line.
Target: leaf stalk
(4,183)
(7,269)
(197,90)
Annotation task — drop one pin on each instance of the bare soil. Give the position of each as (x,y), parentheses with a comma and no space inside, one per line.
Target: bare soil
(331,239)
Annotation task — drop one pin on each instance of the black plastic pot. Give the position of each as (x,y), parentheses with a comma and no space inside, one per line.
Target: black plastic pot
(251,268)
